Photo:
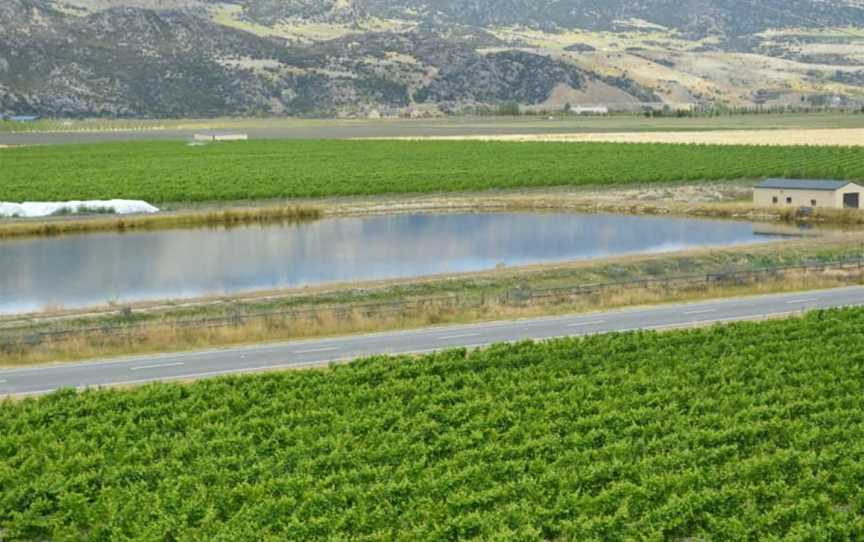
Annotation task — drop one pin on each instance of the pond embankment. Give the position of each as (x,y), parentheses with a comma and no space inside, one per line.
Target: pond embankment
(501,293)
(168,220)
(710,199)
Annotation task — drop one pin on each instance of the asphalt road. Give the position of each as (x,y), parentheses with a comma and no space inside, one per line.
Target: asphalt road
(249,359)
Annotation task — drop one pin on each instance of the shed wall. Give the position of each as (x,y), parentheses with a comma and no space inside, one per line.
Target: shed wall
(764,197)
(231,137)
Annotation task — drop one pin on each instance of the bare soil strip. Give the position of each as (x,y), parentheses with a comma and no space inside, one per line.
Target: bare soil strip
(708,199)
(819,137)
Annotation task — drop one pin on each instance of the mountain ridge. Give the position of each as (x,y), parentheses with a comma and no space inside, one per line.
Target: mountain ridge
(182,58)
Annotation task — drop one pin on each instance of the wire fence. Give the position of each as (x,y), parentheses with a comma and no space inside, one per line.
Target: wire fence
(519,296)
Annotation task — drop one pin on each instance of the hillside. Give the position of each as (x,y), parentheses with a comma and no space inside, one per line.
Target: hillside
(195,58)
(697,17)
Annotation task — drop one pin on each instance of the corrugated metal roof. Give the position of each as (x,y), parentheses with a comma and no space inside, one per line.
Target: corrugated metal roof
(803,184)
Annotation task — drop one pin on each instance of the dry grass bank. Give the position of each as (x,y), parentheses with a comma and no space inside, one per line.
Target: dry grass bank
(181,333)
(171,337)
(183,219)
(709,199)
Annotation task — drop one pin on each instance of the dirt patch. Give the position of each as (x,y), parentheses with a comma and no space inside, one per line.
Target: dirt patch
(729,200)
(709,192)
(820,137)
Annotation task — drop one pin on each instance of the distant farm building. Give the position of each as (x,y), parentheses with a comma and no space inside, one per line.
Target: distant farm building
(808,193)
(589,110)
(220,137)
(20,118)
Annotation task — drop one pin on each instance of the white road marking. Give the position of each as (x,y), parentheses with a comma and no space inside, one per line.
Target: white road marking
(794,301)
(687,325)
(158,366)
(239,370)
(592,323)
(316,350)
(703,311)
(462,336)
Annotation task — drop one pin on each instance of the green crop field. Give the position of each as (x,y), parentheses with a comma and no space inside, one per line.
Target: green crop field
(752,431)
(162,172)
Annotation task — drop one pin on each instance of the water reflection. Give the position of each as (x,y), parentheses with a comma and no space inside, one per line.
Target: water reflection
(90,269)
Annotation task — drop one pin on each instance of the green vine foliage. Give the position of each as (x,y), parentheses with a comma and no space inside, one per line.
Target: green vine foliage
(751,431)
(162,171)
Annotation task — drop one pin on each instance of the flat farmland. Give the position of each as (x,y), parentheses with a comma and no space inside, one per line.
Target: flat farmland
(162,172)
(88,131)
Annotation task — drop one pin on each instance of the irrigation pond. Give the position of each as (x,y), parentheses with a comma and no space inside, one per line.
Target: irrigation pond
(85,270)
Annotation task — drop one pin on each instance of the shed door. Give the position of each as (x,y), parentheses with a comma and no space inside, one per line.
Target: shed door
(851,201)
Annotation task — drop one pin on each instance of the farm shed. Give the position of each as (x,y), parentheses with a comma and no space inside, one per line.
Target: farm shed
(808,193)
(589,110)
(221,137)
(20,118)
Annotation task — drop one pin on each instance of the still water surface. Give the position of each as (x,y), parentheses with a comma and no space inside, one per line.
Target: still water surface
(85,270)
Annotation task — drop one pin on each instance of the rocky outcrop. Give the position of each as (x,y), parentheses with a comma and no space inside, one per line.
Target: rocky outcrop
(145,63)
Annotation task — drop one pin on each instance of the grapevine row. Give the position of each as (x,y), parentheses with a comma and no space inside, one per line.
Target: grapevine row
(162,172)
(753,431)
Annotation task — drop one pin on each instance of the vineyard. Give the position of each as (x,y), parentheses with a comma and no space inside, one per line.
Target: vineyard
(161,172)
(752,431)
